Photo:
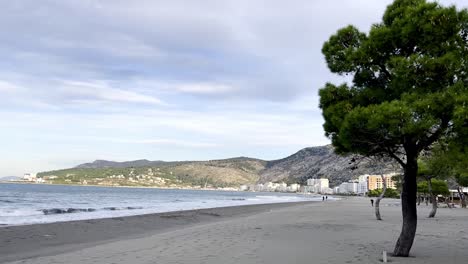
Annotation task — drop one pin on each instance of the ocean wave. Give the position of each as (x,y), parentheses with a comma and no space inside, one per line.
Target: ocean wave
(53,211)
(123,208)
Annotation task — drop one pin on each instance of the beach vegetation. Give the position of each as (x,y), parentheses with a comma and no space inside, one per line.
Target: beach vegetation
(457,152)
(389,193)
(409,90)
(432,169)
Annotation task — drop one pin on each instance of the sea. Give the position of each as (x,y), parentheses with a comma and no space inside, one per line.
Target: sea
(22,204)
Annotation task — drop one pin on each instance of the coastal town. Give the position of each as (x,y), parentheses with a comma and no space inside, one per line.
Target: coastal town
(360,186)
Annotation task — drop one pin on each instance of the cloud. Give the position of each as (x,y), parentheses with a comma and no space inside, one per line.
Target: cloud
(101,91)
(180,79)
(8,87)
(248,50)
(204,88)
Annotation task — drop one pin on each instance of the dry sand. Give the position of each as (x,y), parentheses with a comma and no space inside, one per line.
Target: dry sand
(322,232)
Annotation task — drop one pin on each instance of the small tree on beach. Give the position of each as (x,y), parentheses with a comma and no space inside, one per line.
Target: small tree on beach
(458,159)
(434,187)
(462,181)
(432,169)
(380,164)
(409,90)
(381,196)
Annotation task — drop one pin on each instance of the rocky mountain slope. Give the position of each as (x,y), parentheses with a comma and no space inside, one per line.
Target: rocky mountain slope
(314,162)
(320,162)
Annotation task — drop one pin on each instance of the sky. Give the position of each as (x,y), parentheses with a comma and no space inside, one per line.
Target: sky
(120,80)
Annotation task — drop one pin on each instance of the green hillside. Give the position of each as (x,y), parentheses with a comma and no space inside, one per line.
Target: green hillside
(315,162)
(220,173)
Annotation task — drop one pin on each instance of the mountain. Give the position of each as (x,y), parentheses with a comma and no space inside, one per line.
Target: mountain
(320,162)
(114,164)
(10,178)
(313,162)
(214,173)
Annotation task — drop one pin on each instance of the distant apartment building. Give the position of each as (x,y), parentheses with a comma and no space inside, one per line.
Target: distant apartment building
(350,187)
(318,186)
(336,189)
(294,187)
(29,177)
(365,183)
(375,181)
(362,184)
(271,187)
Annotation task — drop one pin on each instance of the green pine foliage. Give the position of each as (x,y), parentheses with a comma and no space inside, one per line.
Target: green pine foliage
(409,90)
(439,187)
(389,193)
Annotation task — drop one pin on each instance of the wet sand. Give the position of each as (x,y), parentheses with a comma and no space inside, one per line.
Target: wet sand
(316,232)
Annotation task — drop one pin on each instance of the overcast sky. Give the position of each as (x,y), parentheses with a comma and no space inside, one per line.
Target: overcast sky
(164,80)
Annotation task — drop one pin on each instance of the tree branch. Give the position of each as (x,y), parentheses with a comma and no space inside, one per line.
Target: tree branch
(398,159)
(434,136)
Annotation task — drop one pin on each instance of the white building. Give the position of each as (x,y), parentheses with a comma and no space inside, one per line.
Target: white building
(350,187)
(327,191)
(243,188)
(336,189)
(294,187)
(40,180)
(318,185)
(29,177)
(271,187)
(362,184)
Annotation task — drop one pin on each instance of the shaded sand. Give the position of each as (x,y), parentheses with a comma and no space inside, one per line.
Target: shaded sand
(323,232)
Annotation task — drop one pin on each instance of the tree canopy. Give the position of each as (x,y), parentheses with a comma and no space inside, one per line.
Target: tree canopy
(409,89)
(436,164)
(439,187)
(389,193)
(409,80)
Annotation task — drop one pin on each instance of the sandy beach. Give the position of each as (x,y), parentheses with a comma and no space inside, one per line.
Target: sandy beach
(342,231)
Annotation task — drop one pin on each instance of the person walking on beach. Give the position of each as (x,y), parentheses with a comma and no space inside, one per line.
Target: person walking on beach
(372,202)
(323,198)
(326,197)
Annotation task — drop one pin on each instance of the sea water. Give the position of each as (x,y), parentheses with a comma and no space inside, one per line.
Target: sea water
(22,204)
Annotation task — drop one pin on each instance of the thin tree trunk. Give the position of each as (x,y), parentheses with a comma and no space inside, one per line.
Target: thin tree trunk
(419,199)
(447,202)
(433,199)
(381,196)
(462,198)
(408,208)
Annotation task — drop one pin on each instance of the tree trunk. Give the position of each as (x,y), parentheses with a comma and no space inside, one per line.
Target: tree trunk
(381,196)
(419,199)
(462,198)
(433,199)
(447,202)
(408,208)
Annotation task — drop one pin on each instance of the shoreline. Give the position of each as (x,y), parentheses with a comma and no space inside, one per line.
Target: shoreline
(157,187)
(122,186)
(43,212)
(46,239)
